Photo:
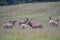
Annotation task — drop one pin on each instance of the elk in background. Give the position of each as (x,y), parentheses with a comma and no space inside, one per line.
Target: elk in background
(52,22)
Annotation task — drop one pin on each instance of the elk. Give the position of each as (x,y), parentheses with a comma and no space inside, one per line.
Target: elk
(52,22)
(23,21)
(9,24)
(35,25)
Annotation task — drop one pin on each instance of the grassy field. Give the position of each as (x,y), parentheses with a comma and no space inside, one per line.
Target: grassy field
(37,11)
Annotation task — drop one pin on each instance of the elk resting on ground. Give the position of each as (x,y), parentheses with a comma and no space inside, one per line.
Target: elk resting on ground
(23,21)
(9,24)
(35,25)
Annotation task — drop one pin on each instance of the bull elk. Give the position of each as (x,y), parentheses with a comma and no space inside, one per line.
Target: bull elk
(35,25)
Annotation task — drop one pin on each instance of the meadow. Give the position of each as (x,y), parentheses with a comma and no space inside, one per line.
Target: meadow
(39,12)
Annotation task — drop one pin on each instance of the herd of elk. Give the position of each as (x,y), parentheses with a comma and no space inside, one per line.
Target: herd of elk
(52,22)
(10,24)
(26,22)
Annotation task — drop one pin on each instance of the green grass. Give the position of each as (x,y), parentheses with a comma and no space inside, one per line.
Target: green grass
(38,14)
(25,37)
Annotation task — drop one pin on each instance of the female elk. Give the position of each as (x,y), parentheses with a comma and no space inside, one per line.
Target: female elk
(35,25)
(23,21)
(8,25)
(52,22)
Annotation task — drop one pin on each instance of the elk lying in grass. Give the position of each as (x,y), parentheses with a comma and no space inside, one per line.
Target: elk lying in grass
(54,23)
(9,24)
(23,21)
(35,25)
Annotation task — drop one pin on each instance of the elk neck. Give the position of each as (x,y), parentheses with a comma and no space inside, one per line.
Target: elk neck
(30,24)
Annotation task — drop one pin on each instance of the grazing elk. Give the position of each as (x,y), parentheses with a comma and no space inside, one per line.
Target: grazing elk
(35,25)
(52,22)
(23,21)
